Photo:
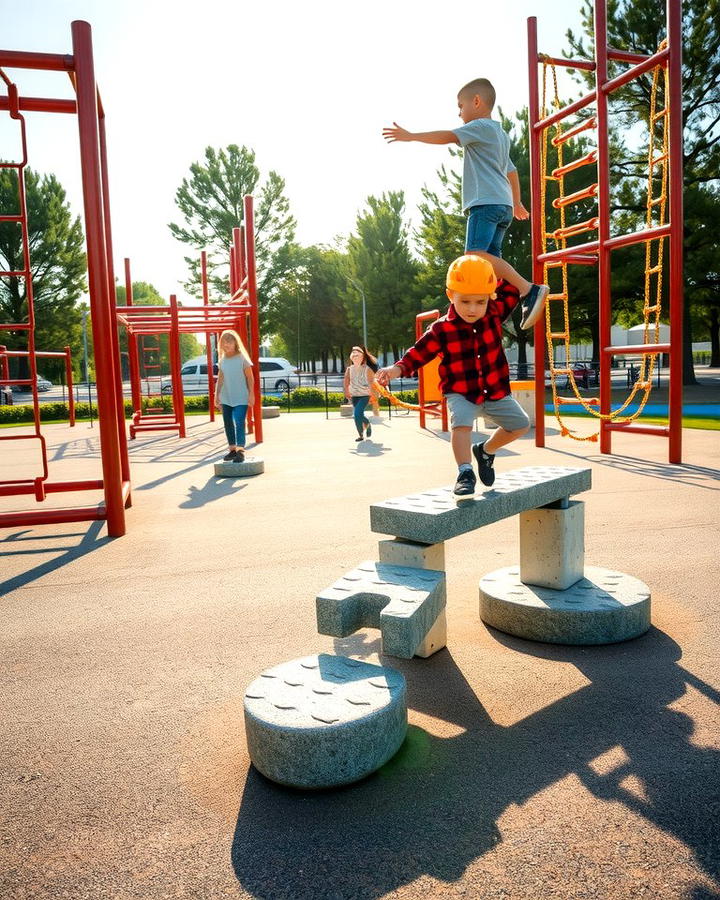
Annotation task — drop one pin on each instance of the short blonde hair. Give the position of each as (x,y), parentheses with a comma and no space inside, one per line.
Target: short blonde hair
(230,333)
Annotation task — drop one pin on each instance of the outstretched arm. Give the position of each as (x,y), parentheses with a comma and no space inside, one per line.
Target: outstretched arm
(396,133)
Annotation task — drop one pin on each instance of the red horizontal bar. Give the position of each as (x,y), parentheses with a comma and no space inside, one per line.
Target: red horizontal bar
(650,62)
(11,218)
(577,250)
(589,191)
(572,259)
(637,349)
(158,427)
(568,63)
(637,237)
(44,353)
(573,132)
(25,59)
(62,487)
(53,516)
(655,430)
(565,112)
(42,104)
(626,55)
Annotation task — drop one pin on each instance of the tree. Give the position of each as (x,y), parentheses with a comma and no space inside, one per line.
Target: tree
(211,203)
(380,262)
(307,311)
(636,25)
(57,264)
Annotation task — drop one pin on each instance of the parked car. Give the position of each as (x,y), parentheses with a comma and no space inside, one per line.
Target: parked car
(276,374)
(585,375)
(43,384)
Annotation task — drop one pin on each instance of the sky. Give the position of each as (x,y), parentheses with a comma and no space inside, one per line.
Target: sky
(307,85)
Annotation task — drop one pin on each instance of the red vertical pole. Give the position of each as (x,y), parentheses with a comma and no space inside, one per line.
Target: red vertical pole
(132,343)
(177,388)
(239,255)
(208,341)
(69,382)
(675,398)
(122,435)
(603,171)
(100,306)
(536,222)
(254,349)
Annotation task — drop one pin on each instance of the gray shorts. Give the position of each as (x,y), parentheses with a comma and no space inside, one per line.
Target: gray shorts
(506,412)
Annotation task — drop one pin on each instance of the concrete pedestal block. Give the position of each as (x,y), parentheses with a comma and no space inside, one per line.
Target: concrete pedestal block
(552,546)
(435,639)
(412,553)
(270,412)
(604,607)
(324,720)
(403,602)
(346,410)
(420,556)
(251,465)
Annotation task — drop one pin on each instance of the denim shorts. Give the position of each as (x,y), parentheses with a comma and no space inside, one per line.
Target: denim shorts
(486,227)
(505,412)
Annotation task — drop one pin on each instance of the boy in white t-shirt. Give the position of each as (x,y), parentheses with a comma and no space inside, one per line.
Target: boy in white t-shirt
(490,186)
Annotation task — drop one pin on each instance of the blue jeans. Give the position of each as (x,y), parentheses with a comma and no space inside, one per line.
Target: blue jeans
(359,407)
(234,422)
(486,227)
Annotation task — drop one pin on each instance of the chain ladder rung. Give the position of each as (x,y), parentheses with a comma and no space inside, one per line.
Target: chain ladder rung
(653,309)
(559,335)
(659,159)
(562,296)
(659,115)
(657,200)
(588,401)
(656,270)
(578,228)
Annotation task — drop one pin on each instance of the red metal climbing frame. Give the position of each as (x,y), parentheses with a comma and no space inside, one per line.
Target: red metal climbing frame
(6,355)
(239,313)
(87,105)
(599,251)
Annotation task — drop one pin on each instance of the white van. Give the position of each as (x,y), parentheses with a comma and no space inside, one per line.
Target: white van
(275,375)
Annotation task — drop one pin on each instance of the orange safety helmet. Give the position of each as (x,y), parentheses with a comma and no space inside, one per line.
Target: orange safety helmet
(471,274)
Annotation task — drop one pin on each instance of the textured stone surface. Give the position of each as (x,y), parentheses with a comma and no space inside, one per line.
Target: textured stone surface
(324,720)
(435,639)
(252,465)
(602,608)
(411,553)
(433,516)
(270,412)
(402,602)
(552,546)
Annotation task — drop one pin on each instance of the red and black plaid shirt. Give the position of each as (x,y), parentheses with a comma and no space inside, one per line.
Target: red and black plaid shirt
(472,359)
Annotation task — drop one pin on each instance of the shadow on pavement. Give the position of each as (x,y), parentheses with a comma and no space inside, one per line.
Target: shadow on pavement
(434,808)
(213,489)
(13,545)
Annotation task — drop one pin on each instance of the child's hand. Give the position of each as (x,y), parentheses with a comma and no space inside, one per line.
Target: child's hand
(396,134)
(520,212)
(386,375)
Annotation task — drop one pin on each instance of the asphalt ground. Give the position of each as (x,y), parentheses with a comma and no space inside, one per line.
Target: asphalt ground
(529,770)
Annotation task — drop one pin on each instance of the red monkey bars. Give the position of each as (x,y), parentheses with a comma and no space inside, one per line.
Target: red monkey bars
(208,319)
(115,482)
(600,250)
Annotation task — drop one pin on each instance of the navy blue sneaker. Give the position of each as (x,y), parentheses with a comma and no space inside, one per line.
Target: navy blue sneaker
(533,304)
(368,430)
(485,464)
(465,486)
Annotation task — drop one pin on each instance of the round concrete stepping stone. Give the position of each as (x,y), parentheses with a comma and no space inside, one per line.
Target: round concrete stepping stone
(324,720)
(270,412)
(602,608)
(251,465)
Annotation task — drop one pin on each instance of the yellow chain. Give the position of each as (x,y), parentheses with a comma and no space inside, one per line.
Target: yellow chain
(644,381)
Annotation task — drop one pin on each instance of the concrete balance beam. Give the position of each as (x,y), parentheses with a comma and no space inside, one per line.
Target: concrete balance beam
(433,516)
(403,602)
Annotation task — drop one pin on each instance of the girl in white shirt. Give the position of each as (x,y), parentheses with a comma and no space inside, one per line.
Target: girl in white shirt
(358,388)
(234,392)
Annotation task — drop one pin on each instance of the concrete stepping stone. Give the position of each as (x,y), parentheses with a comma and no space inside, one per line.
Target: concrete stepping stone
(251,465)
(324,720)
(403,602)
(433,516)
(603,607)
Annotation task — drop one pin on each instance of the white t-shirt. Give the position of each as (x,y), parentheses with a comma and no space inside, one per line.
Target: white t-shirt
(486,163)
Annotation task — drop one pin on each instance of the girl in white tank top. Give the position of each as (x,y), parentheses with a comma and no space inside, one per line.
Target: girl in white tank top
(358,388)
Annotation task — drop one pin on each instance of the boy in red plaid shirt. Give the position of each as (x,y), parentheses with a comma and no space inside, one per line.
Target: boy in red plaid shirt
(474,374)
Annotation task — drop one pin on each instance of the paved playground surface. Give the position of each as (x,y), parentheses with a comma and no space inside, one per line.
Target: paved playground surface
(529,771)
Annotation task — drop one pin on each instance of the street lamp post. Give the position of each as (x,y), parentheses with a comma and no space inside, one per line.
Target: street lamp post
(362,294)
